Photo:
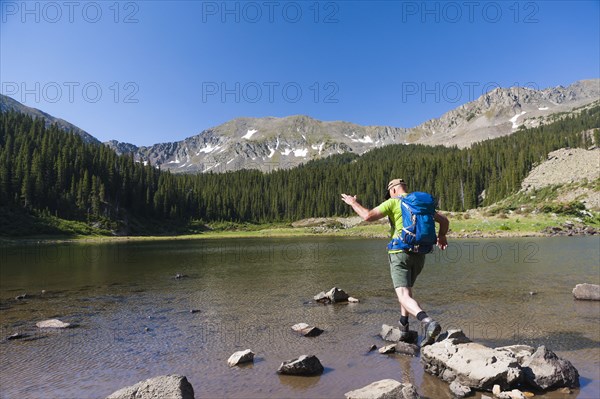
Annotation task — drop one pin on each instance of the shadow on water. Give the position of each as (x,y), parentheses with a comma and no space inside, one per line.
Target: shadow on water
(564,341)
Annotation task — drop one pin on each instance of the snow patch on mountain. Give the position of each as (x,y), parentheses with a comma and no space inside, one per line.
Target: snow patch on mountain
(300,152)
(513,120)
(208,149)
(249,133)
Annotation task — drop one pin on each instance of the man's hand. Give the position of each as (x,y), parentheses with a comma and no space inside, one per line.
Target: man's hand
(442,243)
(349,199)
(364,213)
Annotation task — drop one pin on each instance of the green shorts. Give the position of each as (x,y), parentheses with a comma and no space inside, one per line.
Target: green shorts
(405,267)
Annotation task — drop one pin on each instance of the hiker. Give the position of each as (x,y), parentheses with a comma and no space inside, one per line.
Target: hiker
(405,265)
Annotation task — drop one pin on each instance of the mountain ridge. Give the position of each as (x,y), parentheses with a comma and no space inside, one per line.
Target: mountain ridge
(8,103)
(270,143)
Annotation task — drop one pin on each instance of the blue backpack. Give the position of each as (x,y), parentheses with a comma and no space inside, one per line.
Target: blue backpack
(418,230)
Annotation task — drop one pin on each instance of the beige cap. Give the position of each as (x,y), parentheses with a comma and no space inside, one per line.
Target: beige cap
(395,183)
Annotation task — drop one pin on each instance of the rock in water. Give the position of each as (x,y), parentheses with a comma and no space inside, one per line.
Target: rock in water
(337,295)
(306,330)
(588,292)
(545,370)
(304,365)
(471,364)
(52,323)
(300,326)
(459,390)
(384,389)
(516,394)
(240,357)
(393,334)
(387,349)
(322,297)
(17,336)
(407,349)
(332,296)
(165,386)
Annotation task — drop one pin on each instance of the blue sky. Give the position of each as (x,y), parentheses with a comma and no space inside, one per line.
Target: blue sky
(155,71)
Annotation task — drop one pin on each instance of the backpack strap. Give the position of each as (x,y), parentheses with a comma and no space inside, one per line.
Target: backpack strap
(402,204)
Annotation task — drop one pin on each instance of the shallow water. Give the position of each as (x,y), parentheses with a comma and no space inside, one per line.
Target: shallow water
(249,292)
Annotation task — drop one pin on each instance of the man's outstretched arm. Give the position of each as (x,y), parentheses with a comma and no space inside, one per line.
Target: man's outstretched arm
(364,213)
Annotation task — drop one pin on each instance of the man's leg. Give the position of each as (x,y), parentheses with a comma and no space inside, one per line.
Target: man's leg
(407,304)
(405,268)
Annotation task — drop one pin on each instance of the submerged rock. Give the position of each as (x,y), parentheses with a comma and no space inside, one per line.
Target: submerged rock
(240,357)
(304,365)
(588,292)
(165,386)
(545,370)
(52,323)
(384,389)
(17,336)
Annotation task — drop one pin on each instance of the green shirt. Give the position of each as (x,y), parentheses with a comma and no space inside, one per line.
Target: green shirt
(391,209)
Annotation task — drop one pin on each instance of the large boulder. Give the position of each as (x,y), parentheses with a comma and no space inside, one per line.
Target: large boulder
(240,357)
(545,370)
(454,337)
(470,364)
(165,386)
(521,352)
(394,334)
(589,292)
(384,389)
(304,365)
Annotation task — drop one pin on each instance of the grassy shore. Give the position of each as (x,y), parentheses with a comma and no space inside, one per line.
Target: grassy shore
(472,224)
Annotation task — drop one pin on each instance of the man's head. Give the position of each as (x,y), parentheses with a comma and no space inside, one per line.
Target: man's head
(395,188)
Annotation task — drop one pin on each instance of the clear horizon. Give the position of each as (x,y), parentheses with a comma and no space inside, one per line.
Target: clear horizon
(150,72)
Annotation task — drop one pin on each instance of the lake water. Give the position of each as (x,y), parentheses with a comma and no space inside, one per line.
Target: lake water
(134,320)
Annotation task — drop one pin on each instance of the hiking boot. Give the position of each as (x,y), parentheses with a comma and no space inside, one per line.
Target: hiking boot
(403,327)
(432,330)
